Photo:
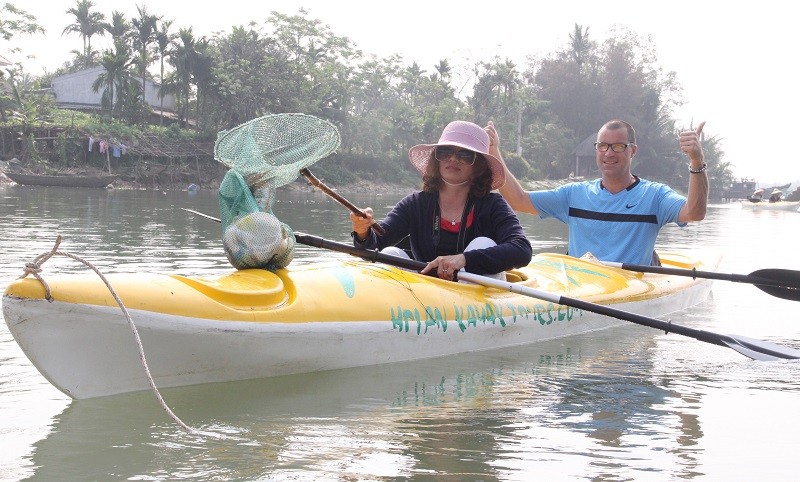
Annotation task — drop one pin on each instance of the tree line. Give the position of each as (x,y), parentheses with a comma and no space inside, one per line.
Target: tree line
(383,106)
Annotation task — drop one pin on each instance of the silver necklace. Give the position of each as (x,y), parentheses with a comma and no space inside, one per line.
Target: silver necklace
(454,222)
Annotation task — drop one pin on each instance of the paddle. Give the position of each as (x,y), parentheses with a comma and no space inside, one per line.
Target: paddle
(782,283)
(344,202)
(749,347)
(204,215)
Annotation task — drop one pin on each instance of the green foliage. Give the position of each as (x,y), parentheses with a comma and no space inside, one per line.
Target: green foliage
(24,103)
(110,128)
(519,167)
(382,107)
(62,146)
(70,118)
(173,131)
(30,152)
(15,21)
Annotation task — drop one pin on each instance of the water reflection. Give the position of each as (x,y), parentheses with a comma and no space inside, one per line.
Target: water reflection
(462,416)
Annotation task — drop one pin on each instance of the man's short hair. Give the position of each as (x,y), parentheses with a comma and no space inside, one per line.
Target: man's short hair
(615,124)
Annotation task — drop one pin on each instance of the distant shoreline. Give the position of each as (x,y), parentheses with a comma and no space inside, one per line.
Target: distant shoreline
(298,185)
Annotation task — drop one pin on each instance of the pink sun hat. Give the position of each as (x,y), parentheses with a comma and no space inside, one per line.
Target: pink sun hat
(467,136)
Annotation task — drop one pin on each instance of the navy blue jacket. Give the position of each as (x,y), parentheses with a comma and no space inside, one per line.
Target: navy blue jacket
(494,218)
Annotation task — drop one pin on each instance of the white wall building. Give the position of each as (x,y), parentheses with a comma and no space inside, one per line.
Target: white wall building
(75,91)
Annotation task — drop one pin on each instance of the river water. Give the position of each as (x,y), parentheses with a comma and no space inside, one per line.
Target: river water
(629,403)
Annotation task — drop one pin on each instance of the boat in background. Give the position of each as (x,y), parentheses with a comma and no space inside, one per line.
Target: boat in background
(771,206)
(745,188)
(775,202)
(329,315)
(61,181)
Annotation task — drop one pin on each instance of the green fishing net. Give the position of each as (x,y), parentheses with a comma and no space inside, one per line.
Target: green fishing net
(263,155)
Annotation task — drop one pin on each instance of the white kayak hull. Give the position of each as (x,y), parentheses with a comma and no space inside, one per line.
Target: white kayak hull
(87,350)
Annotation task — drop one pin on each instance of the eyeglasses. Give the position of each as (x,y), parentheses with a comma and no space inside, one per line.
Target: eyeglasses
(616,147)
(464,156)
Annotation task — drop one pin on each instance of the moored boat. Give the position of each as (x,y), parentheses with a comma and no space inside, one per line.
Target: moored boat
(61,181)
(771,206)
(338,314)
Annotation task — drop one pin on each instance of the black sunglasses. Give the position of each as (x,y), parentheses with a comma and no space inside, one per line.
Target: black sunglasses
(443,153)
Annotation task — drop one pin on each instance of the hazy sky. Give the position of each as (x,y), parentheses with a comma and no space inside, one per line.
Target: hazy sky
(736,64)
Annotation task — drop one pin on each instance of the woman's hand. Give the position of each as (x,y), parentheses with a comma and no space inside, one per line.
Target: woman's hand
(494,140)
(361,225)
(446,266)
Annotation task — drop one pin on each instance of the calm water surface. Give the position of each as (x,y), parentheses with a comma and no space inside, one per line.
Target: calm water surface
(626,404)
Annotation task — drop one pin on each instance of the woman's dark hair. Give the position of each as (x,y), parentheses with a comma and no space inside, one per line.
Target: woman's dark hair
(481,184)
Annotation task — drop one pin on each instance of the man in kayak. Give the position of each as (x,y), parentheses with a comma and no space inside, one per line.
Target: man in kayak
(617,217)
(455,222)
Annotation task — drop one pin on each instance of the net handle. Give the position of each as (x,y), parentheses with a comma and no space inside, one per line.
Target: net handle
(312,179)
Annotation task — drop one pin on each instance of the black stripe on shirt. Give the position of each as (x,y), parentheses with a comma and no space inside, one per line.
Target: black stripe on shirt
(613,217)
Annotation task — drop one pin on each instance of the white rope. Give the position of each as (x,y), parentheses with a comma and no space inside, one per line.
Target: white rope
(34,268)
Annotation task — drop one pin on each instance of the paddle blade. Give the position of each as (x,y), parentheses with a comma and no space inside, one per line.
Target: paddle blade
(760,349)
(789,279)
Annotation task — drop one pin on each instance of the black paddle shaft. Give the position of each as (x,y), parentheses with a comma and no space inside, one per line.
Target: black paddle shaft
(755,349)
(781,283)
(751,348)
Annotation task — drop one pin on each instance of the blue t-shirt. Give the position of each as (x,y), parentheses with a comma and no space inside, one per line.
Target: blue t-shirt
(618,227)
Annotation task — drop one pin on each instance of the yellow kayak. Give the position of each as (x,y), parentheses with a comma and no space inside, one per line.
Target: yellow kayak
(337,314)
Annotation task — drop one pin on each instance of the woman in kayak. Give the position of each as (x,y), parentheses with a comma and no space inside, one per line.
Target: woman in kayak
(455,222)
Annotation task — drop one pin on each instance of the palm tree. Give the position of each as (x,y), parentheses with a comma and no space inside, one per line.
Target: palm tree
(115,76)
(87,24)
(183,59)
(443,69)
(203,73)
(163,42)
(507,77)
(119,28)
(410,83)
(144,28)
(580,45)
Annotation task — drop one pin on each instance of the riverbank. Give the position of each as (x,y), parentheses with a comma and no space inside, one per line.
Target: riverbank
(177,181)
(298,185)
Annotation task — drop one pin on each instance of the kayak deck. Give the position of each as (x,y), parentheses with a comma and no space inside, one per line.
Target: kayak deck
(350,290)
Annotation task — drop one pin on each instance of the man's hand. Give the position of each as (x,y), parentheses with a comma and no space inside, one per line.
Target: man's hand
(690,144)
